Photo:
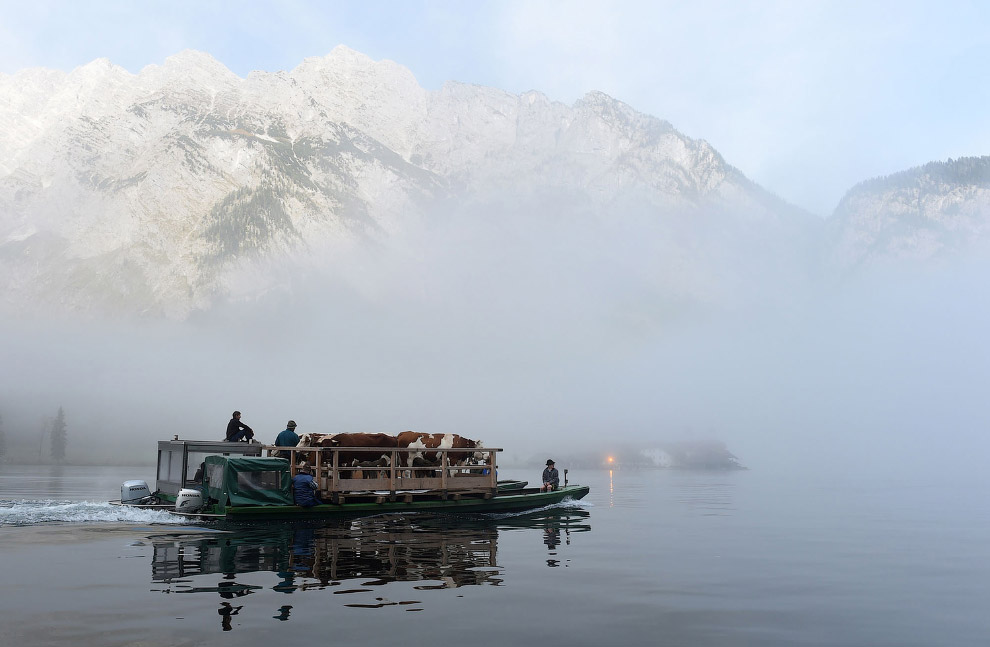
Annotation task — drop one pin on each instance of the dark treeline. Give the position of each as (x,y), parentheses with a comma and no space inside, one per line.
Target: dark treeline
(59,437)
(965,170)
(3,442)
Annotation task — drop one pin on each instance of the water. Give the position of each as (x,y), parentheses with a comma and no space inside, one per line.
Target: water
(648,558)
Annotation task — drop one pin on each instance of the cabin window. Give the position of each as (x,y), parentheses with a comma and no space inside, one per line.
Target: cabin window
(214,475)
(170,467)
(175,467)
(195,467)
(270,480)
(162,465)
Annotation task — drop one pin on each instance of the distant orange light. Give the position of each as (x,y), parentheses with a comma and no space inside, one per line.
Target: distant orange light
(610,459)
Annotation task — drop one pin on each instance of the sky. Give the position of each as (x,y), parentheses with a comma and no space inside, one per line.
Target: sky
(805,98)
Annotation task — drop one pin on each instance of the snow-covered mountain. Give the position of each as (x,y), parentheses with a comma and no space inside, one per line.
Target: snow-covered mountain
(159,192)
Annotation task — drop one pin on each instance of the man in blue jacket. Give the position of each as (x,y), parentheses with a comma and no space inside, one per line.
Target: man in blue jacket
(304,488)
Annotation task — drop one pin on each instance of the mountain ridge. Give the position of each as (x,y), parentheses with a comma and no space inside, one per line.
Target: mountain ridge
(148,192)
(936,210)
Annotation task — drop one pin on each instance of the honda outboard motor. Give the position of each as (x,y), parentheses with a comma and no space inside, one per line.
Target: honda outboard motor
(135,493)
(188,500)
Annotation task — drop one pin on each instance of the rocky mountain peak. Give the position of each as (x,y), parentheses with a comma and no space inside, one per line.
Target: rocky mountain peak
(190,70)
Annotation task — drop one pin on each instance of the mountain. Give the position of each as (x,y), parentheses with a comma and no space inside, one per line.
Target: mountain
(150,193)
(167,192)
(935,211)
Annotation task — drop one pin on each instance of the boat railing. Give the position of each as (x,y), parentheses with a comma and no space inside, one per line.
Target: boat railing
(346,470)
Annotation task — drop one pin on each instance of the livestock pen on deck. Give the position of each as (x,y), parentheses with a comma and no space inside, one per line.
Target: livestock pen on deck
(396,473)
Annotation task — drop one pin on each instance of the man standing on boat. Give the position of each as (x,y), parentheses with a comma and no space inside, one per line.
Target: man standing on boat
(551,481)
(286,438)
(237,430)
(304,487)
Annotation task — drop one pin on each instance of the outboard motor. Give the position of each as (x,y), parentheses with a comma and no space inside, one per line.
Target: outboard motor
(135,493)
(188,500)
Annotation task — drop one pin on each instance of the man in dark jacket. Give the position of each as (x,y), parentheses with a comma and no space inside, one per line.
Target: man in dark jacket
(551,481)
(237,430)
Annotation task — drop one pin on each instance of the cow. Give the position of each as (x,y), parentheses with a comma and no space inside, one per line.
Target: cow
(307,440)
(371,469)
(345,458)
(420,441)
(427,469)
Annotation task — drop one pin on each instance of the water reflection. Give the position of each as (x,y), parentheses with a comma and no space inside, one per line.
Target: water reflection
(226,610)
(358,556)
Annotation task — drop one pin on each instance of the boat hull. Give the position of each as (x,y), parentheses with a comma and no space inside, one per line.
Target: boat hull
(510,501)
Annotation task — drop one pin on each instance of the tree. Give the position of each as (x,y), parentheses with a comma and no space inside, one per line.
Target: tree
(58,437)
(3,442)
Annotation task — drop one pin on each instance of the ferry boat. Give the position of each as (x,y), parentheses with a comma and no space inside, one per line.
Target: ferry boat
(250,481)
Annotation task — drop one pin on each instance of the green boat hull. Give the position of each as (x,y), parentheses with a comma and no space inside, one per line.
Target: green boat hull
(508,501)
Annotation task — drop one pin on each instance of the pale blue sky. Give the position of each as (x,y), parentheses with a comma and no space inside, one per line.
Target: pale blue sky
(805,97)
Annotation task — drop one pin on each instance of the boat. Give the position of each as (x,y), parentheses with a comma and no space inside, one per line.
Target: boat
(510,484)
(246,481)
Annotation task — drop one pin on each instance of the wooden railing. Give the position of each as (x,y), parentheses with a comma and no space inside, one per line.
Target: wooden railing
(398,475)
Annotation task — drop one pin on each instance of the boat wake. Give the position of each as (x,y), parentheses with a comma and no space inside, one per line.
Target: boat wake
(29,513)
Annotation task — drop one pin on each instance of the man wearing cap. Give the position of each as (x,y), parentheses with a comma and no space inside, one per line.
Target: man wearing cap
(304,487)
(551,481)
(287,438)
(237,430)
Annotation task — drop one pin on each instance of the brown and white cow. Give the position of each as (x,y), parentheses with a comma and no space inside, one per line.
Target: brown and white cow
(348,458)
(378,441)
(308,440)
(419,441)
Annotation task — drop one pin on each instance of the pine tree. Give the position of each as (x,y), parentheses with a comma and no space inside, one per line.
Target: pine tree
(58,437)
(3,442)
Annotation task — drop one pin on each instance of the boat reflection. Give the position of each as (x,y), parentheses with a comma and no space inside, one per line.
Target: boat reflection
(354,556)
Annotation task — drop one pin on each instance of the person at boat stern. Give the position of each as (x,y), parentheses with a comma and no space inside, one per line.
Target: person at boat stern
(286,438)
(551,480)
(304,487)
(237,430)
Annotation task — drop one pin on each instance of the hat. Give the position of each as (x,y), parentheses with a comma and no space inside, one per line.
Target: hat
(550,461)
(291,424)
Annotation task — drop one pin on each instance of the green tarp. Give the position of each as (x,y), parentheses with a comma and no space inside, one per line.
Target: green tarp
(248,480)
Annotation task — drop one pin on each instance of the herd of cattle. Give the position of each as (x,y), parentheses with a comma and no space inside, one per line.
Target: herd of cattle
(361,449)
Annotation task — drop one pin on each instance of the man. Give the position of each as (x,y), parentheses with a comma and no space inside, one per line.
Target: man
(304,487)
(237,430)
(287,438)
(551,481)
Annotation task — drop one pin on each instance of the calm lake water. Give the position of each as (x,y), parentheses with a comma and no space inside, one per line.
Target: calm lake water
(648,558)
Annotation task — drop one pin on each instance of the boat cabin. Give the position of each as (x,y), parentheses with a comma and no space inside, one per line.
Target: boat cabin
(181,462)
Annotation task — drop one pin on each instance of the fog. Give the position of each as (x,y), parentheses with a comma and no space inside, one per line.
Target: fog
(550,335)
